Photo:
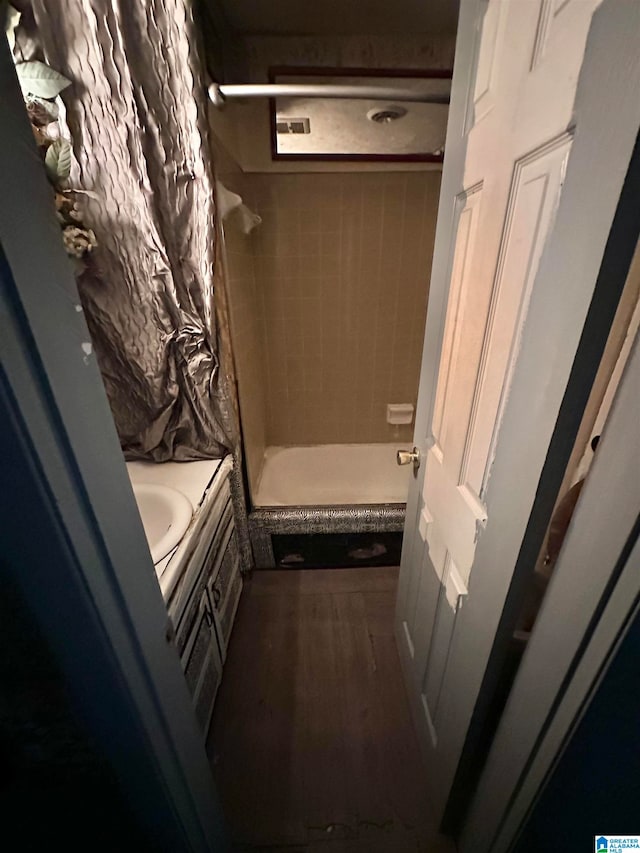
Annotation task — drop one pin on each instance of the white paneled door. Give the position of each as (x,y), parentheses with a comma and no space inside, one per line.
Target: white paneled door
(511,130)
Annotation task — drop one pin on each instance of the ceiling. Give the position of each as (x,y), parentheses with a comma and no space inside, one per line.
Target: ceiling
(342,126)
(337,17)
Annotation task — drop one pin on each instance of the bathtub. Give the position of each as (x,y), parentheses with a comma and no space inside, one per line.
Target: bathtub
(341,490)
(332,474)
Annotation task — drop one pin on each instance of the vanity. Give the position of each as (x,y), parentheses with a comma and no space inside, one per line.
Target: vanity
(199,573)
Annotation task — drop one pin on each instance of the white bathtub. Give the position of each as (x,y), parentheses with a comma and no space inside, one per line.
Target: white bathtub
(330,474)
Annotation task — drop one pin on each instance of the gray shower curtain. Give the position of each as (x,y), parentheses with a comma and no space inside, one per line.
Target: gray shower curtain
(137,115)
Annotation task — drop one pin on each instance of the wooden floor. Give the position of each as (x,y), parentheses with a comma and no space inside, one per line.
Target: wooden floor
(311,742)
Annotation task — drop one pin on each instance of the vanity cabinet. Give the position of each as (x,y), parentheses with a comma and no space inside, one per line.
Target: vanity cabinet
(224,587)
(203,604)
(202,662)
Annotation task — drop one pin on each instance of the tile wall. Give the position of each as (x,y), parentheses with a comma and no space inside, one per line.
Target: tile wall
(339,281)
(246,314)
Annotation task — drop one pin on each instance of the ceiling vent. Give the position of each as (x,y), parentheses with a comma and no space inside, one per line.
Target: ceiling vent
(385,115)
(292,125)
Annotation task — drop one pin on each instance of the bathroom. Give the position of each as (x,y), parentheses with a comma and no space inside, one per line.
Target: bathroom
(327,261)
(319,271)
(257,315)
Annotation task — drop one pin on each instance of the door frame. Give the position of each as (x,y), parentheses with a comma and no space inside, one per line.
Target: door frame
(592,600)
(547,380)
(83,566)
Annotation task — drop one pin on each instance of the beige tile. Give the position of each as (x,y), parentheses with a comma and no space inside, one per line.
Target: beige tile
(330,294)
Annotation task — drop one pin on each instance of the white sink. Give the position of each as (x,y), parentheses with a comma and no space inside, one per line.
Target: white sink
(165,514)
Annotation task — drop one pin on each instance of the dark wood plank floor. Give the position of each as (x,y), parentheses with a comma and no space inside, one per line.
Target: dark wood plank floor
(311,743)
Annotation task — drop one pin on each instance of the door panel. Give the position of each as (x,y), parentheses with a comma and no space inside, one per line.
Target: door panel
(442,633)
(484,325)
(509,141)
(493,27)
(533,200)
(465,302)
(422,602)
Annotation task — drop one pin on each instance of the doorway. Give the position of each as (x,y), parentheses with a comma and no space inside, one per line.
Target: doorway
(94,503)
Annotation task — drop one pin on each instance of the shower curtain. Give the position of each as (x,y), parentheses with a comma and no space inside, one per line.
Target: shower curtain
(136,111)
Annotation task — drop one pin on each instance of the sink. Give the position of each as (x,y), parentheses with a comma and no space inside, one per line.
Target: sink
(165,514)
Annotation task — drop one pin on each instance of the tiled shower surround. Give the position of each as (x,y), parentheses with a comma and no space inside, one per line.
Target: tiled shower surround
(246,314)
(328,301)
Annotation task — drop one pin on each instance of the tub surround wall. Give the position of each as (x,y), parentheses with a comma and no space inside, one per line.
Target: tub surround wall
(246,316)
(328,296)
(342,265)
(327,303)
(247,325)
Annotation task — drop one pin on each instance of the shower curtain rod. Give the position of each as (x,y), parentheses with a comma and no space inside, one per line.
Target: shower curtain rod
(220,93)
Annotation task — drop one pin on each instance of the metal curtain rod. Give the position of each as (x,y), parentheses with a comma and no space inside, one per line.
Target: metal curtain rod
(220,93)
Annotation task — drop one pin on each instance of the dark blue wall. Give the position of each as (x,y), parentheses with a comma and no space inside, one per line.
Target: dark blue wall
(595,789)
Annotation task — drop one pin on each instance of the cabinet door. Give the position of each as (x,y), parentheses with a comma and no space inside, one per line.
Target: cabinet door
(202,663)
(198,574)
(225,588)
